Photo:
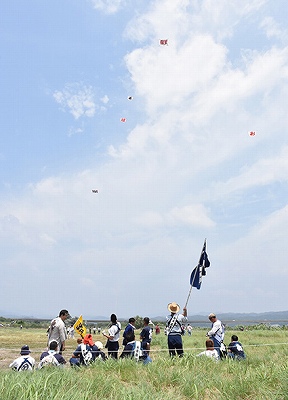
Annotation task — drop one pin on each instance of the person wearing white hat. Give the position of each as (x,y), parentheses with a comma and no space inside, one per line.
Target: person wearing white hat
(174,329)
(216,332)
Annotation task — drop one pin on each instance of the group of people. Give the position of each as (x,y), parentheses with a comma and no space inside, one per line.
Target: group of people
(132,348)
(215,347)
(88,351)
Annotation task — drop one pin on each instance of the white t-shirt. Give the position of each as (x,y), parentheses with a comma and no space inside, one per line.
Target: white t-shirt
(23,363)
(210,353)
(217,331)
(115,332)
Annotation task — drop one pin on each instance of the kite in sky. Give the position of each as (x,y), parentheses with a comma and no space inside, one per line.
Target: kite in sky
(123,119)
(94,190)
(130,98)
(252,133)
(163,42)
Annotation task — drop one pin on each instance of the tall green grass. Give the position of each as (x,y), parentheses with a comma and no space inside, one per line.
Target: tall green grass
(264,375)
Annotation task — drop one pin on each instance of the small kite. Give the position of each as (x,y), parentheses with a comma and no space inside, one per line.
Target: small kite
(130,98)
(94,190)
(163,42)
(252,133)
(123,119)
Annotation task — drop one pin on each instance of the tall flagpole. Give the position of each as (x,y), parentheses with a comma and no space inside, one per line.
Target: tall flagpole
(191,284)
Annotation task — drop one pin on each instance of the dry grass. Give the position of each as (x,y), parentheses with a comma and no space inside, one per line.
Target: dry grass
(12,339)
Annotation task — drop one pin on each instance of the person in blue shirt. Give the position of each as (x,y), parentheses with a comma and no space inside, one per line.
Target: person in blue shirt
(146,335)
(235,349)
(133,349)
(129,328)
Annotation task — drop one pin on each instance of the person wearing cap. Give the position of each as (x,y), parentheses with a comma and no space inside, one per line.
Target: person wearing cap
(174,329)
(216,332)
(25,362)
(86,352)
(57,330)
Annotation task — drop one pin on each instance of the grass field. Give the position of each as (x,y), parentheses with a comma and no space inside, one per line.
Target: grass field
(264,375)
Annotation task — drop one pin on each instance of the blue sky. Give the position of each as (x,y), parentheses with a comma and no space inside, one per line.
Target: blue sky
(182,168)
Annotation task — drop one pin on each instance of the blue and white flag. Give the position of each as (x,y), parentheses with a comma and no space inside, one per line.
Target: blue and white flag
(200,269)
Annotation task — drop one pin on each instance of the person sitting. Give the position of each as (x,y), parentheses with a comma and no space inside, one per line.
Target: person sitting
(235,349)
(86,352)
(25,362)
(51,357)
(133,349)
(210,351)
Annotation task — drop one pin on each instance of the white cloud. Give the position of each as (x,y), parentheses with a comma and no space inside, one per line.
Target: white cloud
(109,6)
(88,283)
(273,29)
(166,76)
(174,20)
(194,214)
(77,99)
(264,171)
(105,99)
(74,130)
(183,174)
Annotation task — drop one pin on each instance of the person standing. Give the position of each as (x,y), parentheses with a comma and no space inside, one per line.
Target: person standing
(146,335)
(57,330)
(174,329)
(113,337)
(129,328)
(189,329)
(216,332)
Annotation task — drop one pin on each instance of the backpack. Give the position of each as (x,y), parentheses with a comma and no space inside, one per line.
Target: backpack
(48,361)
(86,354)
(223,351)
(126,331)
(137,352)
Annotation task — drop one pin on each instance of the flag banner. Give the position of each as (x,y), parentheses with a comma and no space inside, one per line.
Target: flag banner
(79,327)
(195,278)
(200,269)
(204,261)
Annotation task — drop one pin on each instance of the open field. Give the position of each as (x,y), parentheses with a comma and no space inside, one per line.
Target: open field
(264,375)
